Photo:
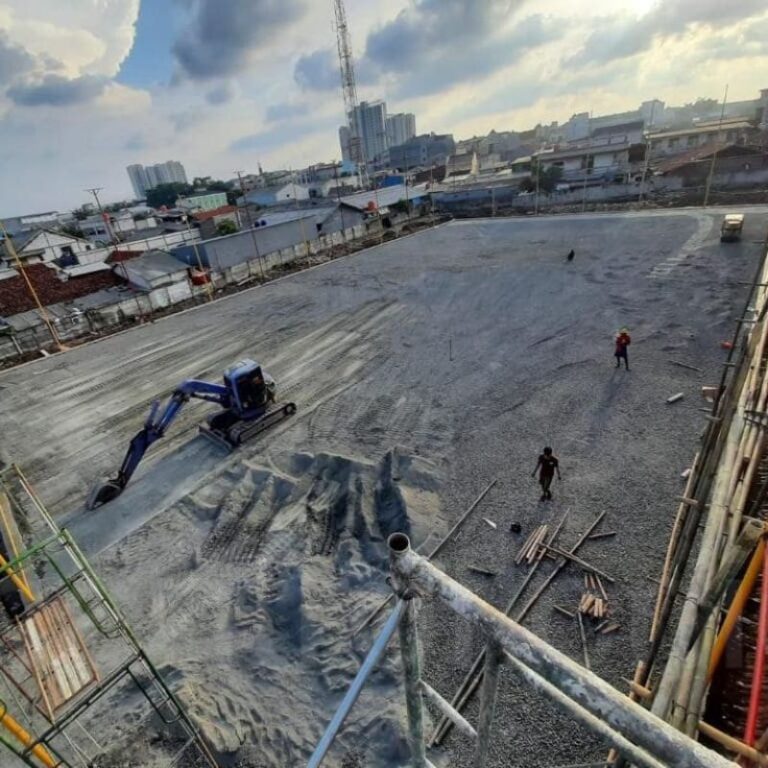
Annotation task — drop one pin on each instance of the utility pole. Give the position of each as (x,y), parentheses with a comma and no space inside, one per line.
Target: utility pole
(239,175)
(95,192)
(647,154)
(31,288)
(714,153)
(538,174)
(338,199)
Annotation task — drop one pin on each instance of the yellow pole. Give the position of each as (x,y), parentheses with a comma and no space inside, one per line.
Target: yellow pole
(11,248)
(13,727)
(736,608)
(5,518)
(20,585)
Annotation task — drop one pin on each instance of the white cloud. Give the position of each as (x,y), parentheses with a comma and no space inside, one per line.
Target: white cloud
(73,126)
(87,36)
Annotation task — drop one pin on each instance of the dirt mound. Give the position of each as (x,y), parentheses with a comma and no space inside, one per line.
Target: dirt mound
(267,570)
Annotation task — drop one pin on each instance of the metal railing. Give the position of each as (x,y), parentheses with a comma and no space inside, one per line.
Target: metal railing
(639,736)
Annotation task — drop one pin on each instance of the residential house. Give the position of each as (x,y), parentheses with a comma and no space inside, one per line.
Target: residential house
(208,221)
(678,142)
(110,226)
(734,165)
(16,225)
(45,245)
(152,269)
(606,162)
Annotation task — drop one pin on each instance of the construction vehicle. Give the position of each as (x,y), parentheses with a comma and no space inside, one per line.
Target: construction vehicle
(247,399)
(731,227)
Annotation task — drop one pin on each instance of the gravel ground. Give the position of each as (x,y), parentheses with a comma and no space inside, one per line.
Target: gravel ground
(470,347)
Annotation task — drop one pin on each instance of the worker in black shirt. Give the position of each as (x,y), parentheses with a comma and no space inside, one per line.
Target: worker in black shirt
(546,467)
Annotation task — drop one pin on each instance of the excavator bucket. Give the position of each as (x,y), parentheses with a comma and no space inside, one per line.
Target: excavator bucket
(102,493)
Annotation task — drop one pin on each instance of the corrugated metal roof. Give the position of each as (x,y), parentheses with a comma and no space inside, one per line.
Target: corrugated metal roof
(152,265)
(381,198)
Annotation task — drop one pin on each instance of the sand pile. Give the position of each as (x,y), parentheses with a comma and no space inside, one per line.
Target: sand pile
(253,585)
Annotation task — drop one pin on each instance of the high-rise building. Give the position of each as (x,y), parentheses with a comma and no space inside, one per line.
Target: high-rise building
(400,128)
(370,120)
(146,178)
(344,136)
(138,177)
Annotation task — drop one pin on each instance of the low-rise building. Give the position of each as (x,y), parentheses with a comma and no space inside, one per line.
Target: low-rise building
(422,151)
(45,245)
(203,202)
(678,142)
(153,269)
(208,221)
(734,165)
(275,195)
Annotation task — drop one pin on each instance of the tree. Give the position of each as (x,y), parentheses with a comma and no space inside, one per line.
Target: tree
(71,230)
(226,227)
(548,179)
(167,194)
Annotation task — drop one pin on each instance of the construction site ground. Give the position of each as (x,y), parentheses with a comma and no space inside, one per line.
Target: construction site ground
(422,370)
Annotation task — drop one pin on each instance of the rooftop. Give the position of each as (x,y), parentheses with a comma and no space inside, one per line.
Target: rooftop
(15,296)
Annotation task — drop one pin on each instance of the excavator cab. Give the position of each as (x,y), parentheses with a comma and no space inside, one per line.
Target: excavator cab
(251,388)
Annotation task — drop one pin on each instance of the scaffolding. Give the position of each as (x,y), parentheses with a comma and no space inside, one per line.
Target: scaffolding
(633,731)
(68,657)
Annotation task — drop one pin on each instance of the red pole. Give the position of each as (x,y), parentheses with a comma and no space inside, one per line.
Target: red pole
(757,679)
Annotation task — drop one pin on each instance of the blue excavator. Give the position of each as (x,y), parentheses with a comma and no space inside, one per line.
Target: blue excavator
(247,399)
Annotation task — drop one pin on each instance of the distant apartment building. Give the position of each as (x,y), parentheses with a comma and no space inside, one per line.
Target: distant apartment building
(369,126)
(425,150)
(400,128)
(148,177)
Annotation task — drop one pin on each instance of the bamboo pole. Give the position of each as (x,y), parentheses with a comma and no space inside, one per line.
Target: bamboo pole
(731,744)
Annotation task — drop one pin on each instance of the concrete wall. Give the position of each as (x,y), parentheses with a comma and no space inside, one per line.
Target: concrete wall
(224,252)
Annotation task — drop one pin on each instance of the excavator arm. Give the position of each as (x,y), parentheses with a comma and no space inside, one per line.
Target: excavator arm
(154,428)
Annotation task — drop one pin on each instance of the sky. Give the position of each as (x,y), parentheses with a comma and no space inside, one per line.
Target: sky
(88,87)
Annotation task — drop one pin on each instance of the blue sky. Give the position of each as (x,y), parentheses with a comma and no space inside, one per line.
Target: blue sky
(88,87)
(150,61)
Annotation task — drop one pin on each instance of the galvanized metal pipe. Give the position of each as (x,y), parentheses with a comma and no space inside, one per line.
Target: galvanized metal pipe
(448,711)
(637,755)
(582,686)
(409,648)
(491,671)
(377,649)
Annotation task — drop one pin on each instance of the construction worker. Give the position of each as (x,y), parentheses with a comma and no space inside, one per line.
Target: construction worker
(546,467)
(623,340)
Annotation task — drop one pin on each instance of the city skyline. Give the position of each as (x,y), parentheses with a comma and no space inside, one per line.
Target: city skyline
(92,88)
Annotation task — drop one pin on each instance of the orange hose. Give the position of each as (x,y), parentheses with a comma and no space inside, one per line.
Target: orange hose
(736,608)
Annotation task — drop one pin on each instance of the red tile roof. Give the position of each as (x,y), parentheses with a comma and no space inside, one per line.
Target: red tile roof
(15,296)
(221,211)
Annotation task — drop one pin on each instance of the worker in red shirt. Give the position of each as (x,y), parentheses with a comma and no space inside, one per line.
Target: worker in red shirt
(623,340)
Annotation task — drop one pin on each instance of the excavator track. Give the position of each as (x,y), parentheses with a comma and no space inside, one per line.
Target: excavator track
(242,431)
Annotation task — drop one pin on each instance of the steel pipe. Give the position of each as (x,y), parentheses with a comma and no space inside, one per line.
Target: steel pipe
(627,748)
(582,686)
(491,673)
(350,697)
(409,648)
